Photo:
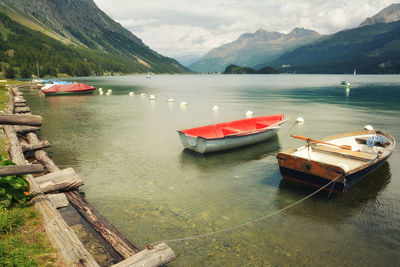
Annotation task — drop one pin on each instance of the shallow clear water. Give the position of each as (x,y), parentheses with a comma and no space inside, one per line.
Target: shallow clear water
(136,173)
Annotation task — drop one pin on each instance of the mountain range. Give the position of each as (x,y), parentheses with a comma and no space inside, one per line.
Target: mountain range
(253,49)
(81,24)
(373,47)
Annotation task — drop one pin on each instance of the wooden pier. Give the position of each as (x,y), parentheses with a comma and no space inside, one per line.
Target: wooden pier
(57,188)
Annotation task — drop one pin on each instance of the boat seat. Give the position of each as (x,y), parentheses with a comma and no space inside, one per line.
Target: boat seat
(358,155)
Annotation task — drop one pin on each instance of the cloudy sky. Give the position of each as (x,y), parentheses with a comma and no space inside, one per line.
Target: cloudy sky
(179,28)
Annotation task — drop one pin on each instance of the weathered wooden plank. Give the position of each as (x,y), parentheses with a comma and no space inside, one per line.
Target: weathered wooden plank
(20,105)
(15,149)
(22,109)
(21,119)
(37,146)
(59,181)
(62,236)
(42,156)
(68,172)
(58,200)
(156,256)
(25,129)
(16,92)
(21,169)
(18,99)
(71,249)
(122,245)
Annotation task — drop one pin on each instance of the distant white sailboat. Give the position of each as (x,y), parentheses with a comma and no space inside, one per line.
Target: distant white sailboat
(355,72)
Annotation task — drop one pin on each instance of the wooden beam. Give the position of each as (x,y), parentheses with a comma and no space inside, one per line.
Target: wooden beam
(15,148)
(33,147)
(21,169)
(42,156)
(156,256)
(25,129)
(22,109)
(19,119)
(71,249)
(18,99)
(122,245)
(59,181)
(62,236)
(20,105)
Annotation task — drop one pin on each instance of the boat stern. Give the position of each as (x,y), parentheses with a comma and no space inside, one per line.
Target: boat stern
(311,172)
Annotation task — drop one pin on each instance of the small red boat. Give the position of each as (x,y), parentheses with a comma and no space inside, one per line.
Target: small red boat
(230,135)
(69,89)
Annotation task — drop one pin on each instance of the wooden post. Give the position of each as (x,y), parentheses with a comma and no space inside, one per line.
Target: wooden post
(21,169)
(19,119)
(156,256)
(122,245)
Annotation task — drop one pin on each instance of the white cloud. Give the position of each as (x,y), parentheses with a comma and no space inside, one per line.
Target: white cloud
(177,28)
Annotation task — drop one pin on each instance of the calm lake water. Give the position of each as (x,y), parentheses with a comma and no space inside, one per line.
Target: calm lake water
(136,173)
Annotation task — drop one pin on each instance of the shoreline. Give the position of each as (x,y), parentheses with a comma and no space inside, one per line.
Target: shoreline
(66,180)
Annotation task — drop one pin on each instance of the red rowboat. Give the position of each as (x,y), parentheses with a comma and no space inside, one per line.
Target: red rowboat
(230,135)
(69,89)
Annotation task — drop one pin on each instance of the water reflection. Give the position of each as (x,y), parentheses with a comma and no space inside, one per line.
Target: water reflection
(229,158)
(334,208)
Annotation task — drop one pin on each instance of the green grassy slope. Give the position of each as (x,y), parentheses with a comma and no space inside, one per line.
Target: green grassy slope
(21,48)
(82,22)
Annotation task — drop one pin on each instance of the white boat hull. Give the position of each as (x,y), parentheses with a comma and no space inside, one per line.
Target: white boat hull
(202,145)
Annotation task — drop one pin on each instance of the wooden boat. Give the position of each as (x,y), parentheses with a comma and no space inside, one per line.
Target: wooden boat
(230,135)
(346,158)
(69,89)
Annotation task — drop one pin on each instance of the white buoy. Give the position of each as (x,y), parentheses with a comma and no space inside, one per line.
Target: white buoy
(152,97)
(101,93)
(299,120)
(215,108)
(142,94)
(131,93)
(183,104)
(109,91)
(170,100)
(368,127)
(249,114)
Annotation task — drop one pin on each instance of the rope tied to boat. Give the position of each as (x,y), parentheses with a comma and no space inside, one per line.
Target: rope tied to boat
(251,221)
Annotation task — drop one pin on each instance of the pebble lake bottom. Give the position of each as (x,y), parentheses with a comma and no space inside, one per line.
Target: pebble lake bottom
(136,173)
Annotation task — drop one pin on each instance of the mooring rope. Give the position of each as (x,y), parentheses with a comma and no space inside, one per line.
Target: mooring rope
(249,222)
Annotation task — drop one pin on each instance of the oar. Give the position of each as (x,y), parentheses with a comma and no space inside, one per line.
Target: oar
(322,142)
